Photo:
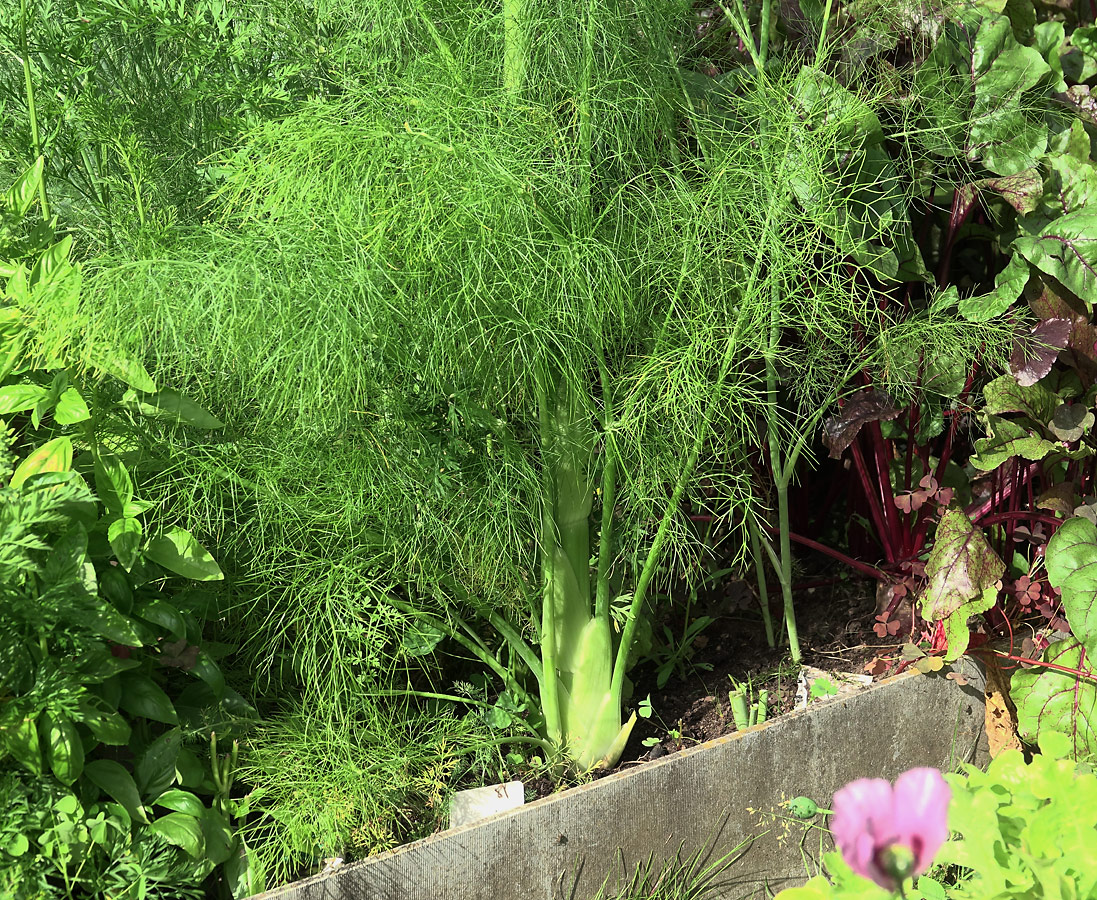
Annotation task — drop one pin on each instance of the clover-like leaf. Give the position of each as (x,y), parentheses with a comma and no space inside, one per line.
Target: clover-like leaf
(960,569)
(1053,700)
(1071,421)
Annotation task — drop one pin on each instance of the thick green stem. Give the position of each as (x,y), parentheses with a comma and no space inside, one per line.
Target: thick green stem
(760,569)
(609,493)
(550,694)
(763,31)
(36,140)
(515,44)
(781,474)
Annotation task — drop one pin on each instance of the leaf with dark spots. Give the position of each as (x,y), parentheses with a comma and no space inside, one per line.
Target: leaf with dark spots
(1035,353)
(869,406)
(961,567)
(1052,700)
(1021,191)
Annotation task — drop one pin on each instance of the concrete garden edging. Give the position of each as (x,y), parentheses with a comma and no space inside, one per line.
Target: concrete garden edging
(715,795)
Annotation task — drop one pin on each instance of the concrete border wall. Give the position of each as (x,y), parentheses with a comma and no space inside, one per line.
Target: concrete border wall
(718,795)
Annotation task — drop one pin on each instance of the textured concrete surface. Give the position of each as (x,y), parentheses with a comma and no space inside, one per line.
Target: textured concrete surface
(719,795)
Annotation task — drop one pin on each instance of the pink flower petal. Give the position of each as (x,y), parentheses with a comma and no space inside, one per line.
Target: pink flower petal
(862,824)
(920,811)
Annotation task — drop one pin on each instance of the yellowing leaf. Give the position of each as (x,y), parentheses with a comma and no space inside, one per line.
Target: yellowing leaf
(52,456)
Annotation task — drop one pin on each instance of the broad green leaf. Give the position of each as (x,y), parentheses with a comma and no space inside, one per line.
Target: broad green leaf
(1071,560)
(165,615)
(19,397)
(1051,700)
(421,638)
(62,745)
(104,724)
(155,769)
(244,873)
(957,633)
(1007,288)
(1005,395)
(1008,439)
(178,552)
(71,408)
(118,784)
(125,536)
(141,696)
(1066,249)
(220,841)
(124,369)
(113,483)
(53,263)
(206,669)
(181,801)
(174,407)
(21,196)
(99,617)
(99,664)
(52,456)
(19,737)
(960,567)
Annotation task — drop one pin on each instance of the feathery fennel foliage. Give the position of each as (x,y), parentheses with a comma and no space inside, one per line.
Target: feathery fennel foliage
(492,313)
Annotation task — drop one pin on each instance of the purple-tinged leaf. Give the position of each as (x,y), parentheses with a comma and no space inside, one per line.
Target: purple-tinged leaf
(1005,395)
(1059,498)
(1050,700)
(1021,191)
(869,406)
(961,567)
(1035,353)
(1071,560)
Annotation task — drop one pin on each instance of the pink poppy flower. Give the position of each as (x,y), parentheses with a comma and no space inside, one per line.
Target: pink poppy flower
(889,834)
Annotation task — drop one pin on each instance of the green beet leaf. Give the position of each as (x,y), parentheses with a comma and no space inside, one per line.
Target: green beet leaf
(960,569)
(1066,249)
(1007,288)
(113,483)
(20,397)
(71,408)
(1047,699)
(1008,439)
(104,724)
(1071,560)
(172,406)
(179,552)
(1005,395)
(53,456)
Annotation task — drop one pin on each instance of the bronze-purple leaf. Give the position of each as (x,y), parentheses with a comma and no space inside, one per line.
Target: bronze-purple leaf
(870,405)
(1034,353)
